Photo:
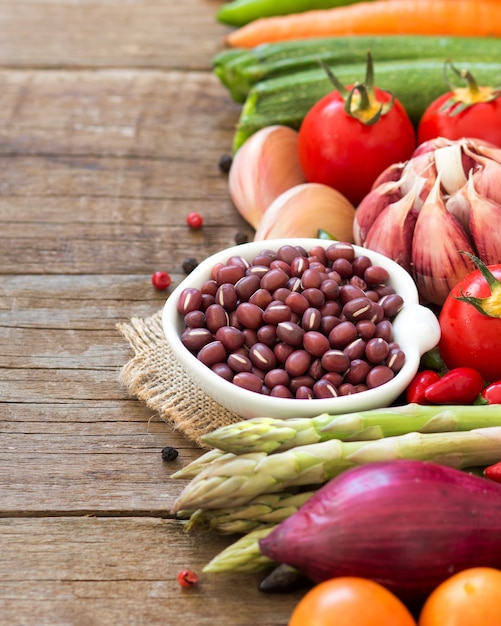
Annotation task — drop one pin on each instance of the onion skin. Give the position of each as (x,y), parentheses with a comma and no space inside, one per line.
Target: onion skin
(303,210)
(265,166)
(406,524)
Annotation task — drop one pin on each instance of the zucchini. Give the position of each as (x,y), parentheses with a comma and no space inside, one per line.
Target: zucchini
(240,69)
(286,100)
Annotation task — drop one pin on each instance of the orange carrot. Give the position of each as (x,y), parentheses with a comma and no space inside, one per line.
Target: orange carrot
(480,18)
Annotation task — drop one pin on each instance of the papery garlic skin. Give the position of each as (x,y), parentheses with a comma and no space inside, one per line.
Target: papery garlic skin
(265,166)
(437,262)
(305,209)
(485,215)
(457,207)
(393,230)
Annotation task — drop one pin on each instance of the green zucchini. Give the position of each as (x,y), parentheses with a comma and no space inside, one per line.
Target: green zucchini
(286,100)
(240,69)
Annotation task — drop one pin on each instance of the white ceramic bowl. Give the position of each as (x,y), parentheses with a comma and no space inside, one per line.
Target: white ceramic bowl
(415,328)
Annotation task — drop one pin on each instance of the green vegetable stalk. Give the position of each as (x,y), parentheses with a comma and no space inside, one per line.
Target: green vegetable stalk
(195,467)
(243,555)
(239,69)
(237,480)
(240,12)
(265,434)
(269,508)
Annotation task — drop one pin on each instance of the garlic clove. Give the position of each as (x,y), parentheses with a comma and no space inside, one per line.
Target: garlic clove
(431,145)
(371,206)
(483,148)
(449,163)
(265,166)
(422,168)
(391,173)
(459,205)
(438,240)
(391,232)
(487,175)
(484,214)
(305,209)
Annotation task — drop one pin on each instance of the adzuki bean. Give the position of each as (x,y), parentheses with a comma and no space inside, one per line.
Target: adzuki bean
(296,323)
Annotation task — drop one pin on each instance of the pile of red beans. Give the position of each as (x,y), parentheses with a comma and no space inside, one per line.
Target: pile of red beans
(296,323)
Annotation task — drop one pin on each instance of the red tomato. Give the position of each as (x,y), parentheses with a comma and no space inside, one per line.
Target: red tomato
(470,338)
(346,152)
(471,111)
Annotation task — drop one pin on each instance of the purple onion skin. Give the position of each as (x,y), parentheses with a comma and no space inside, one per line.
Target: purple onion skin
(406,524)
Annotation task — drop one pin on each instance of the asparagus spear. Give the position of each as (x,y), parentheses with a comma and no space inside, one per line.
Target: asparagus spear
(243,555)
(270,508)
(196,466)
(265,434)
(243,477)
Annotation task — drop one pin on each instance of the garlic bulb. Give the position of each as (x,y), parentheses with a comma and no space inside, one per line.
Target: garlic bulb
(305,209)
(447,200)
(265,166)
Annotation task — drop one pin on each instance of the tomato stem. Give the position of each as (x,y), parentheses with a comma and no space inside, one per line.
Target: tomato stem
(360,100)
(333,78)
(464,97)
(490,305)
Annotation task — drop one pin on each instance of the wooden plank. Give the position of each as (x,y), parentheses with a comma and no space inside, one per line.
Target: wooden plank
(86,571)
(109,33)
(128,113)
(98,171)
(65,458)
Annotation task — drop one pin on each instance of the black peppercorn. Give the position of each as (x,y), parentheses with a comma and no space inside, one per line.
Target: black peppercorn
(189,264)
(241,237)
(169,453)
(225,163)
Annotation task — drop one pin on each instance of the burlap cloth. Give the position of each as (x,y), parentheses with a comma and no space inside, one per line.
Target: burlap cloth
(154,376)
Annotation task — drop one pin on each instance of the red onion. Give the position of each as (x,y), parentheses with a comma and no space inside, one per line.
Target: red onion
(406,524)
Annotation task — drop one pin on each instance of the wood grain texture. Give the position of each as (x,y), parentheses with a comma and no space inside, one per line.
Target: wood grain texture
(107,571)
(111,129)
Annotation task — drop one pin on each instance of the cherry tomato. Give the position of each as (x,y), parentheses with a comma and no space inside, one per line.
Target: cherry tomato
(469,598)
(350,601)
(470,323)
(351,135)
(471,111)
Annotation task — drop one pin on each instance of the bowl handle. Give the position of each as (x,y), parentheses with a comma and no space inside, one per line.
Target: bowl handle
(422,323)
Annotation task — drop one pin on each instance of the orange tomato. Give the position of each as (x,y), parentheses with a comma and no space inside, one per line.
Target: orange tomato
(350,601)
(468,598)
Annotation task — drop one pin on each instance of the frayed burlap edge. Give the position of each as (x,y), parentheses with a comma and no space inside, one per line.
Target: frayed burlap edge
(154,376)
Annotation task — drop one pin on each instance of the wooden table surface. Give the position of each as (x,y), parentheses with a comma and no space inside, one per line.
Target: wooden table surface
(111,129)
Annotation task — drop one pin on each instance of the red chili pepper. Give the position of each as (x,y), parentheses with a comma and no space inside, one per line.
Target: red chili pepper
(493,472)
(492,393)
(422,380)
(461,385)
